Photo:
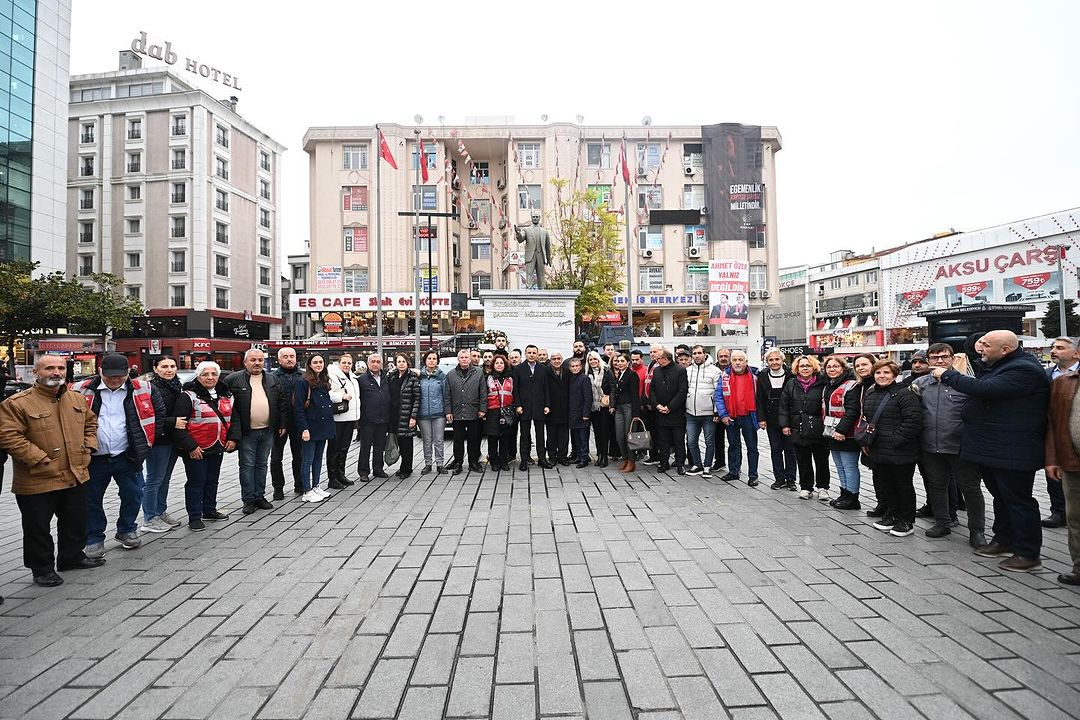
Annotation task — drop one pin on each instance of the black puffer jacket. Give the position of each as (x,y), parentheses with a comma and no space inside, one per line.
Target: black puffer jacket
(896,441)
(800,410)
(406,390)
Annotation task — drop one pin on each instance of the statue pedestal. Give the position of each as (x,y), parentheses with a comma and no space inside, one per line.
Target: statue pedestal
(544,318)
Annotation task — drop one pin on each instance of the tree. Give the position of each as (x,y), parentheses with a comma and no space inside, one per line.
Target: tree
(103,307)
(1051,322)
(586,249)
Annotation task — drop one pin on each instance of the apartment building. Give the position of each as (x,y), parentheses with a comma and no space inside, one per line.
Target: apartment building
(846,316)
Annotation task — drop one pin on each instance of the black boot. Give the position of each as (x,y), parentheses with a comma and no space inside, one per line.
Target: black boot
(601,460)
(835,502)
(851,502)
(878,511)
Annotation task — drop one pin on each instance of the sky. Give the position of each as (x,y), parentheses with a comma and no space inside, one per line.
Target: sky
(899,120)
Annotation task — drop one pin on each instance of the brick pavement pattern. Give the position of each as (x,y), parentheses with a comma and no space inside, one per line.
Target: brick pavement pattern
(554,594)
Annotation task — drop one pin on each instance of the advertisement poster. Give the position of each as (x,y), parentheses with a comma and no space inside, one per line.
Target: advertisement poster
(735,193)
(916,300)
(729,286)
(1032,287)
(328,278)
(976,292)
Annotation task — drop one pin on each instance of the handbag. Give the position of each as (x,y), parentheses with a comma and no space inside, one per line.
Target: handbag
(830,425)
(638,439)
(342,406)
(392,453)
(866,431)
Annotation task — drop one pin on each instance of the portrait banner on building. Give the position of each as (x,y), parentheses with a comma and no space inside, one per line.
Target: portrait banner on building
(735,195)
(729,285)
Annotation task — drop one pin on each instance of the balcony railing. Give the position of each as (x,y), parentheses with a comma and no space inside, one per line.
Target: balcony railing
(134,167)
(222,238)
(86,138)
(179,198)
(86,237)
(179,130)
(179,164)
(134,134)
(86,204)
(86,171)
(178,232)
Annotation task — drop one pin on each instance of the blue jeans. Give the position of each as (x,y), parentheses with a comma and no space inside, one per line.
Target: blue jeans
(747,428)
(695,425)
(311,466)
(159,467)
(847,467)
(104,468)
(782,450)
(254,450)
(200,490)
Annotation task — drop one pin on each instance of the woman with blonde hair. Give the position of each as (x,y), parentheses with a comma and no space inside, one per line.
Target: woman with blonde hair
(801,418)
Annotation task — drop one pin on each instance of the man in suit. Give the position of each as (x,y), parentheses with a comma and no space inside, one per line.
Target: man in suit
(533,405)
(667,395)
(720,310)
(537,251)
(558,419)
(1063,353)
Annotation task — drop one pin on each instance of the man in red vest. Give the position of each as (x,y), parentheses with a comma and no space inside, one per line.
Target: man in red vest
(129,415)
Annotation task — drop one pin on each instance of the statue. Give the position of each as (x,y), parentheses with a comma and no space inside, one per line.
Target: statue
(537,250)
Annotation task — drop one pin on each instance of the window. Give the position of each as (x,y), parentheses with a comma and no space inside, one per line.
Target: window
(428,198)
(86,232)
(135,129)
(221,200)
(86,265)
(598,155)
(264,276)
(134,227)
(355,239)
(221,265)
(179,126)
(649,197)
(176,295)
(87,134)
(651,279)
(480,174)
(222,170)
(529,197)
(427,237)
(603,194)
(758,278)
(356,280)
(692,155)
(264,218)
(132,291)
(834,284)
(264,160)
(528,155)
(264,305)
(221,298)
(480,281)
(756,237)
(753,156)
(134,192)
(693,197)
(179,193)
(480,212)
(648,156)
(178,261)
(430,155)
(90,94)
(480,248)
(134,260)
(298,274)
(134,162)
(86,200)
(354,157)
(264,189)
(354,198)
(179,227)
(852,280)
(264,247)
(651,237)
(140,89)
(871,276)
(221,233)
(221,136)
(697,281)
(695,236)
(179,159)
(86,167)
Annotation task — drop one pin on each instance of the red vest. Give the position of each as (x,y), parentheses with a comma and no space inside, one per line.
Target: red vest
(500,395)
(835,400)
(140,396)
(204,426)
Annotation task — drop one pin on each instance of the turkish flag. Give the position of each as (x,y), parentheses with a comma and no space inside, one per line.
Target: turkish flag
(423,160)
(622,162)
(384,151)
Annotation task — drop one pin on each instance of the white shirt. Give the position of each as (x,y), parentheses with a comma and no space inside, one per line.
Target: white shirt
(1058,372)
(112,421)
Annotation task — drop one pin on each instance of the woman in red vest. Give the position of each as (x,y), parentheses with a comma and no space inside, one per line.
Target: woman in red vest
(498,416)
(209,433)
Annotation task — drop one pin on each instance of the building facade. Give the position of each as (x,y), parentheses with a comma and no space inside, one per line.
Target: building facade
(788,322)
(176,193)
(846,314)
(493,177)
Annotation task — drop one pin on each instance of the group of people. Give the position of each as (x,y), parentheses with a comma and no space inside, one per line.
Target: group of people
(962,420)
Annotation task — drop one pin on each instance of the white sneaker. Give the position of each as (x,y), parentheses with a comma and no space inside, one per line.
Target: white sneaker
(823,495)
(320,492)
(169,520)
(805,494)
(155,525)
(312,497)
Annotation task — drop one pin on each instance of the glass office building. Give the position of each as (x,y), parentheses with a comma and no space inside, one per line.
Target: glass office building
(18,20)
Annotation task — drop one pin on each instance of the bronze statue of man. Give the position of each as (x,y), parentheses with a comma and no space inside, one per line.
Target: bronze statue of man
(537,250)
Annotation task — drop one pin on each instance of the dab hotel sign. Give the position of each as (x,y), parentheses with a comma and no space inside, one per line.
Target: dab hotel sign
(165,53)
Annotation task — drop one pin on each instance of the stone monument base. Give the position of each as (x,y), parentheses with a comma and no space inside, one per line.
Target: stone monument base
(544,318)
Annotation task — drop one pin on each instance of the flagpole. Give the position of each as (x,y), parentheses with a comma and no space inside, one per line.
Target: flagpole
(378,243)
(416,248)
(626,216)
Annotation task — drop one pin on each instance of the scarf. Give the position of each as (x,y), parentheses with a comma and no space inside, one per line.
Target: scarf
(805,382)
(174,385)
(596,377)
(740,401)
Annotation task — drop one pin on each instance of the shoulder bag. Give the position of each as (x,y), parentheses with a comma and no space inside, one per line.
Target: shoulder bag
(342,406)
(866,430)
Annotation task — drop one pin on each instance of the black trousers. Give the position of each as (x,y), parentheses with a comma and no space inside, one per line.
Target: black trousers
(499,447)
(895,489)
(601,421)
(671,438)
(941,470)
(296,447)
(558,441)
(1016,512)
(372,446)
(339,450)
(69,508)
(528,422)
(513,440)
(813,462)
(405,449)
(467,431)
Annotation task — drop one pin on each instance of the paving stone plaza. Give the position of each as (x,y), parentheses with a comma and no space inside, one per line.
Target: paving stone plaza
(557,594)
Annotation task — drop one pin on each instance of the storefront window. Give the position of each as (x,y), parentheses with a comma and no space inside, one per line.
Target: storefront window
(690,323)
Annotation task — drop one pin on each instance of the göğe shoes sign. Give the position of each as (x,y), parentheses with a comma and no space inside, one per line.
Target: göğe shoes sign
(165,53)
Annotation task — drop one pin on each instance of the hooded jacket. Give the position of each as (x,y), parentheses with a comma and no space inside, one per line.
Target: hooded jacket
(701,380)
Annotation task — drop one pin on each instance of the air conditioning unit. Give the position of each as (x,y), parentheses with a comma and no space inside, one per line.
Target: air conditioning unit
(642,172)
(646,254)
(688,170)
(473,226)
(500,184)
(753,294)
(704,210)
(693,251)
(764,294)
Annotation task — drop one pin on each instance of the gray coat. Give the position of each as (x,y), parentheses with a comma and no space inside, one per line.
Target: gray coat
(941,406)
(467,391)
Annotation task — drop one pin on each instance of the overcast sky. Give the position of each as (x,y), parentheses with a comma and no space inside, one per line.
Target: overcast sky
(898,120)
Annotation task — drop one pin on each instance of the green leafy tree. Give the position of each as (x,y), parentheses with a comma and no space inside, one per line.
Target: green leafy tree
(1051,322)
(586,249)
(103,306)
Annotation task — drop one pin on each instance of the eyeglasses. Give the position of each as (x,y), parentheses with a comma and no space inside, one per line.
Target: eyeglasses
(935,357)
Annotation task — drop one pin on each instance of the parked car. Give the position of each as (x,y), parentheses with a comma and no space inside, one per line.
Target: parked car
(14,386)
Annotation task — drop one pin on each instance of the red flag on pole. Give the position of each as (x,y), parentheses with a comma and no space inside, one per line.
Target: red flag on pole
(622,162)
(422,160)
(384,151)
